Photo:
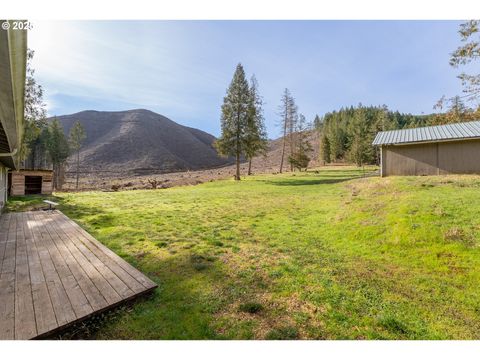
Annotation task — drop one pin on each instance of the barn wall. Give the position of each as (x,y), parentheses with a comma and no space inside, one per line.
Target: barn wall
(459,157)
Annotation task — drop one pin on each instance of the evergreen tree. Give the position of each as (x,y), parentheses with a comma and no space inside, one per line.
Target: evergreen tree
(256,134)
(318,123)
(58,150)
(32,149)
(337,140)
(360,149)
(234,120)
(76,137)
(325,148)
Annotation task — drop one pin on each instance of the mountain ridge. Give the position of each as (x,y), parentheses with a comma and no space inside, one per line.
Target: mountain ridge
(141,141)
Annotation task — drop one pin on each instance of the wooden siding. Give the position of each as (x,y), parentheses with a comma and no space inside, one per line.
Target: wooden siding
(18,181)
(53,273)
(455,157)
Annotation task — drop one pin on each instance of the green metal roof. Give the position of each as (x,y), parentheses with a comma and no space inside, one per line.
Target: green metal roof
(449,132)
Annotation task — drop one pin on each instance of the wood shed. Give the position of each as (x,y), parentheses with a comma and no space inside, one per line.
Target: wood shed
(28,182)
(431,150)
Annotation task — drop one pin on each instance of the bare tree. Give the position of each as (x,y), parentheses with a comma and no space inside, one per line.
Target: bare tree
(77,136)
(289,117)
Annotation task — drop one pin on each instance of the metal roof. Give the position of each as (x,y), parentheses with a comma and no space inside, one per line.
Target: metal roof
(458,131)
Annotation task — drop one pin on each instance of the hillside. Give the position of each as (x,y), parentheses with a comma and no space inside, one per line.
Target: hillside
(268,164)
(141,142)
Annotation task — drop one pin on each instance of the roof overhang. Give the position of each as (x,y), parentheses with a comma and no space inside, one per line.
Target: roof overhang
(13,60)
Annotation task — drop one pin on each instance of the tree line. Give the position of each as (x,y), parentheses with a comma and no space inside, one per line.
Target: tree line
(347,134)
(45,144)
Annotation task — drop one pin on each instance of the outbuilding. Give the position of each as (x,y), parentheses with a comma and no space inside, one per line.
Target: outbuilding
(431,150)
(29,182)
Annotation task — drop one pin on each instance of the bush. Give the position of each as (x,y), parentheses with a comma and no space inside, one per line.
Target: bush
(116,187)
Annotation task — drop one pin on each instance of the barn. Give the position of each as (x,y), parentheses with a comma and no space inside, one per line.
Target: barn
(431,150)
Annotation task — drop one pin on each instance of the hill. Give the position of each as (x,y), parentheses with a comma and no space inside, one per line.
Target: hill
(141,142)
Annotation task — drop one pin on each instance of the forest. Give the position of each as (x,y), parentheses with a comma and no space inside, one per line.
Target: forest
(347,134)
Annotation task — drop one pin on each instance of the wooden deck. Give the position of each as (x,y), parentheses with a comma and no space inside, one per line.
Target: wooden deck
(53,273)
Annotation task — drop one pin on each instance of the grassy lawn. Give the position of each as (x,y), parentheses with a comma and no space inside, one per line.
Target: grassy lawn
(319,255)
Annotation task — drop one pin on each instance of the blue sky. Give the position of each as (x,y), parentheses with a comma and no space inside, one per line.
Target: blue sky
(181,69)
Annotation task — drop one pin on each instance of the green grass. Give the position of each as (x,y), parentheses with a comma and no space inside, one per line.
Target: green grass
(319,255)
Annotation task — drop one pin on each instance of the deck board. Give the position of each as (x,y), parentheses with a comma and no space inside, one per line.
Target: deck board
(53,273)
(44,313)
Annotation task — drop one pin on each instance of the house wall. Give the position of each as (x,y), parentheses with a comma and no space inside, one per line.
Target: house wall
(456,157)
(18,181)
(3,185)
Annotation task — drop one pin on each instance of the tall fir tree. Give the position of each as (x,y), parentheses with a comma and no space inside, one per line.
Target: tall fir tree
(325,148)
(234,119)
(256,134)
(360,149)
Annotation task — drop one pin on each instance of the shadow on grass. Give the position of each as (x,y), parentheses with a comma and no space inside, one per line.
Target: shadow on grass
(177,310)
(321,177)
(311,181)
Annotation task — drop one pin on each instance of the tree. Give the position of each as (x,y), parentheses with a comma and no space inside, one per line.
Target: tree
(361,148)
(340,132)
(300,158)
(466,54)
(288,114)
(256,134)
(58,150)
(318,123)
(76,137)
(35,112)
(325,148)
(234,120)
(457,111)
